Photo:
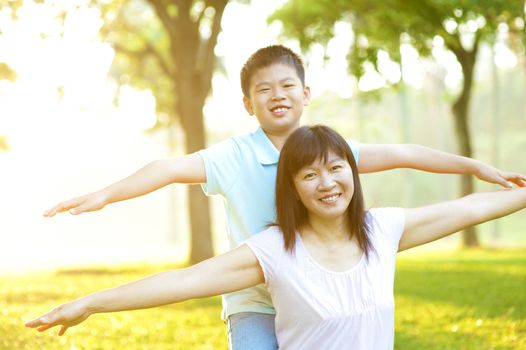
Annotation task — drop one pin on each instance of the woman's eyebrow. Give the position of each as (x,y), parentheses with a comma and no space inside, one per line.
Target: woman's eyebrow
(335,159)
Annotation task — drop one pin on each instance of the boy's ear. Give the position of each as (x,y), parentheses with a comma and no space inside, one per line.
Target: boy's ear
(248,105)
(306,95)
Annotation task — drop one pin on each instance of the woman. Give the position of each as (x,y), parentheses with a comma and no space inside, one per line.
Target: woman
(328,264)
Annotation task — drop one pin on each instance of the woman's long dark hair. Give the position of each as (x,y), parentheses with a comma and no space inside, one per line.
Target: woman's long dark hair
(304,146)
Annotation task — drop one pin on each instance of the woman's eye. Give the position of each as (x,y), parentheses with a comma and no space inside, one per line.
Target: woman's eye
(336,167)
(309,176)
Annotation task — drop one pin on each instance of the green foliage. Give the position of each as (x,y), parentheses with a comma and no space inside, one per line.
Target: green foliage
(452,300)
(11,6)
(4,146)
(142,49)
(385,25)
(7,72)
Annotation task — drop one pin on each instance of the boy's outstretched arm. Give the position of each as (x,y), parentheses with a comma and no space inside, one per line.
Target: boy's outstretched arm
(429,223)
(157,174)
(238,269)
(379,157)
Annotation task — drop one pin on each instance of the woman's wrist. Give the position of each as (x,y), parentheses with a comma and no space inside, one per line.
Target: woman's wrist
(91,304)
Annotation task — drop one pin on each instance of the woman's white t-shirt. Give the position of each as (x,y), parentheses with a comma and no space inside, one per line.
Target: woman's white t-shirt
(321,309)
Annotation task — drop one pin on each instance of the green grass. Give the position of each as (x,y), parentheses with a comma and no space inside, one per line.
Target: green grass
(451,300)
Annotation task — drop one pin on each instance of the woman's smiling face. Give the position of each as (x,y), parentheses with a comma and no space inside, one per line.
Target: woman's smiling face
(325,188)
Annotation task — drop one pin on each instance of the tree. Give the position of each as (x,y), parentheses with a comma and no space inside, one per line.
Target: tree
(462,25)
(168,47)
(7,72)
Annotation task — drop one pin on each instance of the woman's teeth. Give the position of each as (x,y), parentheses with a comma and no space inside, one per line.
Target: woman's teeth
(330,199)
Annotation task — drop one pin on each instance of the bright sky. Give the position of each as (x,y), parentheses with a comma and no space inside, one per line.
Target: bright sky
(67,139)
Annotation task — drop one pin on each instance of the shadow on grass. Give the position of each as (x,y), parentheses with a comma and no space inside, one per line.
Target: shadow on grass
(488,292)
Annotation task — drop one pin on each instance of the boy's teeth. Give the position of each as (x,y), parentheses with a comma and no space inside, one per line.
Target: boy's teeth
(279,110)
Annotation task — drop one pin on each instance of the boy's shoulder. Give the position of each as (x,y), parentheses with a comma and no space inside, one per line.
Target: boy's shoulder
(241,139)
(255,145)
(250,139)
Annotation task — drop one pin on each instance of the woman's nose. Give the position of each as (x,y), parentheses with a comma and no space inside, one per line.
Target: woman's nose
(326,182)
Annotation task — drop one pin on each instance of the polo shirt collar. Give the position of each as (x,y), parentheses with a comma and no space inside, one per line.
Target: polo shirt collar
(266,152)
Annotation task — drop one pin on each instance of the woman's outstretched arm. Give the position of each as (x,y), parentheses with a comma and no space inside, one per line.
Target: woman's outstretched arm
(429,223)
(235,270)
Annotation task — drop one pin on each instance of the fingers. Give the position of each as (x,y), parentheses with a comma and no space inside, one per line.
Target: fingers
(41,324)
(503,182)
(520,180)
(33,323)
(44,328)
(62,330)
(63,206)
(515,178)
(82,208)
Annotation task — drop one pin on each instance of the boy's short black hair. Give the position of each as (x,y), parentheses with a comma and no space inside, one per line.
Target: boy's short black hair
(267,56)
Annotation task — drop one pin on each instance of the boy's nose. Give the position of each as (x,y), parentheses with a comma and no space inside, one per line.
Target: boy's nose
(278,95)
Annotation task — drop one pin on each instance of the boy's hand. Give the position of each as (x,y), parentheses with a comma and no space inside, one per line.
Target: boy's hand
(66,315)
(491,174)
(91,202)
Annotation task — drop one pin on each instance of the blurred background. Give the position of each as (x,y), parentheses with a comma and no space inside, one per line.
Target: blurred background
(91,91)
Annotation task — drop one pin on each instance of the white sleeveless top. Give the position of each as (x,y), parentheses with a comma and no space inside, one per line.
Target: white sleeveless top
(321,309)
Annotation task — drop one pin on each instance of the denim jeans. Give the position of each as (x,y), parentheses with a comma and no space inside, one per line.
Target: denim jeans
(251,331)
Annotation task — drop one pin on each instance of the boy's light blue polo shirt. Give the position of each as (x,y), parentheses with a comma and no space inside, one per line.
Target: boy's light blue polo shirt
(242,170)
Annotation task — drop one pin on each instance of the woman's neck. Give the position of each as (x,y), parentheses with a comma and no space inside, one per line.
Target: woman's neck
(327,230)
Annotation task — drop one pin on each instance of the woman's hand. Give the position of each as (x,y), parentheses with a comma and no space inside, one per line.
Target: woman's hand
(66,315)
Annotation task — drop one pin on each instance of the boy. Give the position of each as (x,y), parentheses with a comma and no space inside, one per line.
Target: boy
(243,170)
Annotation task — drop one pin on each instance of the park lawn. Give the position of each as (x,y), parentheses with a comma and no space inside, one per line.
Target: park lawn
(450,300)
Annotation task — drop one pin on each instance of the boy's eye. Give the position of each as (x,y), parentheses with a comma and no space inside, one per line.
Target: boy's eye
(289,85)
(263,90)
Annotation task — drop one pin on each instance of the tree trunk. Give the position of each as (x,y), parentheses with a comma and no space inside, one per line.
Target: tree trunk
(201,243)
(460,113)
(195,59)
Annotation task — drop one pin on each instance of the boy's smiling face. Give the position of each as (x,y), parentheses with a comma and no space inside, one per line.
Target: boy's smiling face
(277,98)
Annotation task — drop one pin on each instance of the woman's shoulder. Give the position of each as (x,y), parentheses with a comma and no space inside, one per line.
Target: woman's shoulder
(384,213)
(270,236)
(386,226)
(382,219)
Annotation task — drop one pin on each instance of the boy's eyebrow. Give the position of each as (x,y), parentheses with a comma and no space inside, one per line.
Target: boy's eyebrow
(260,84)
(267,83)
